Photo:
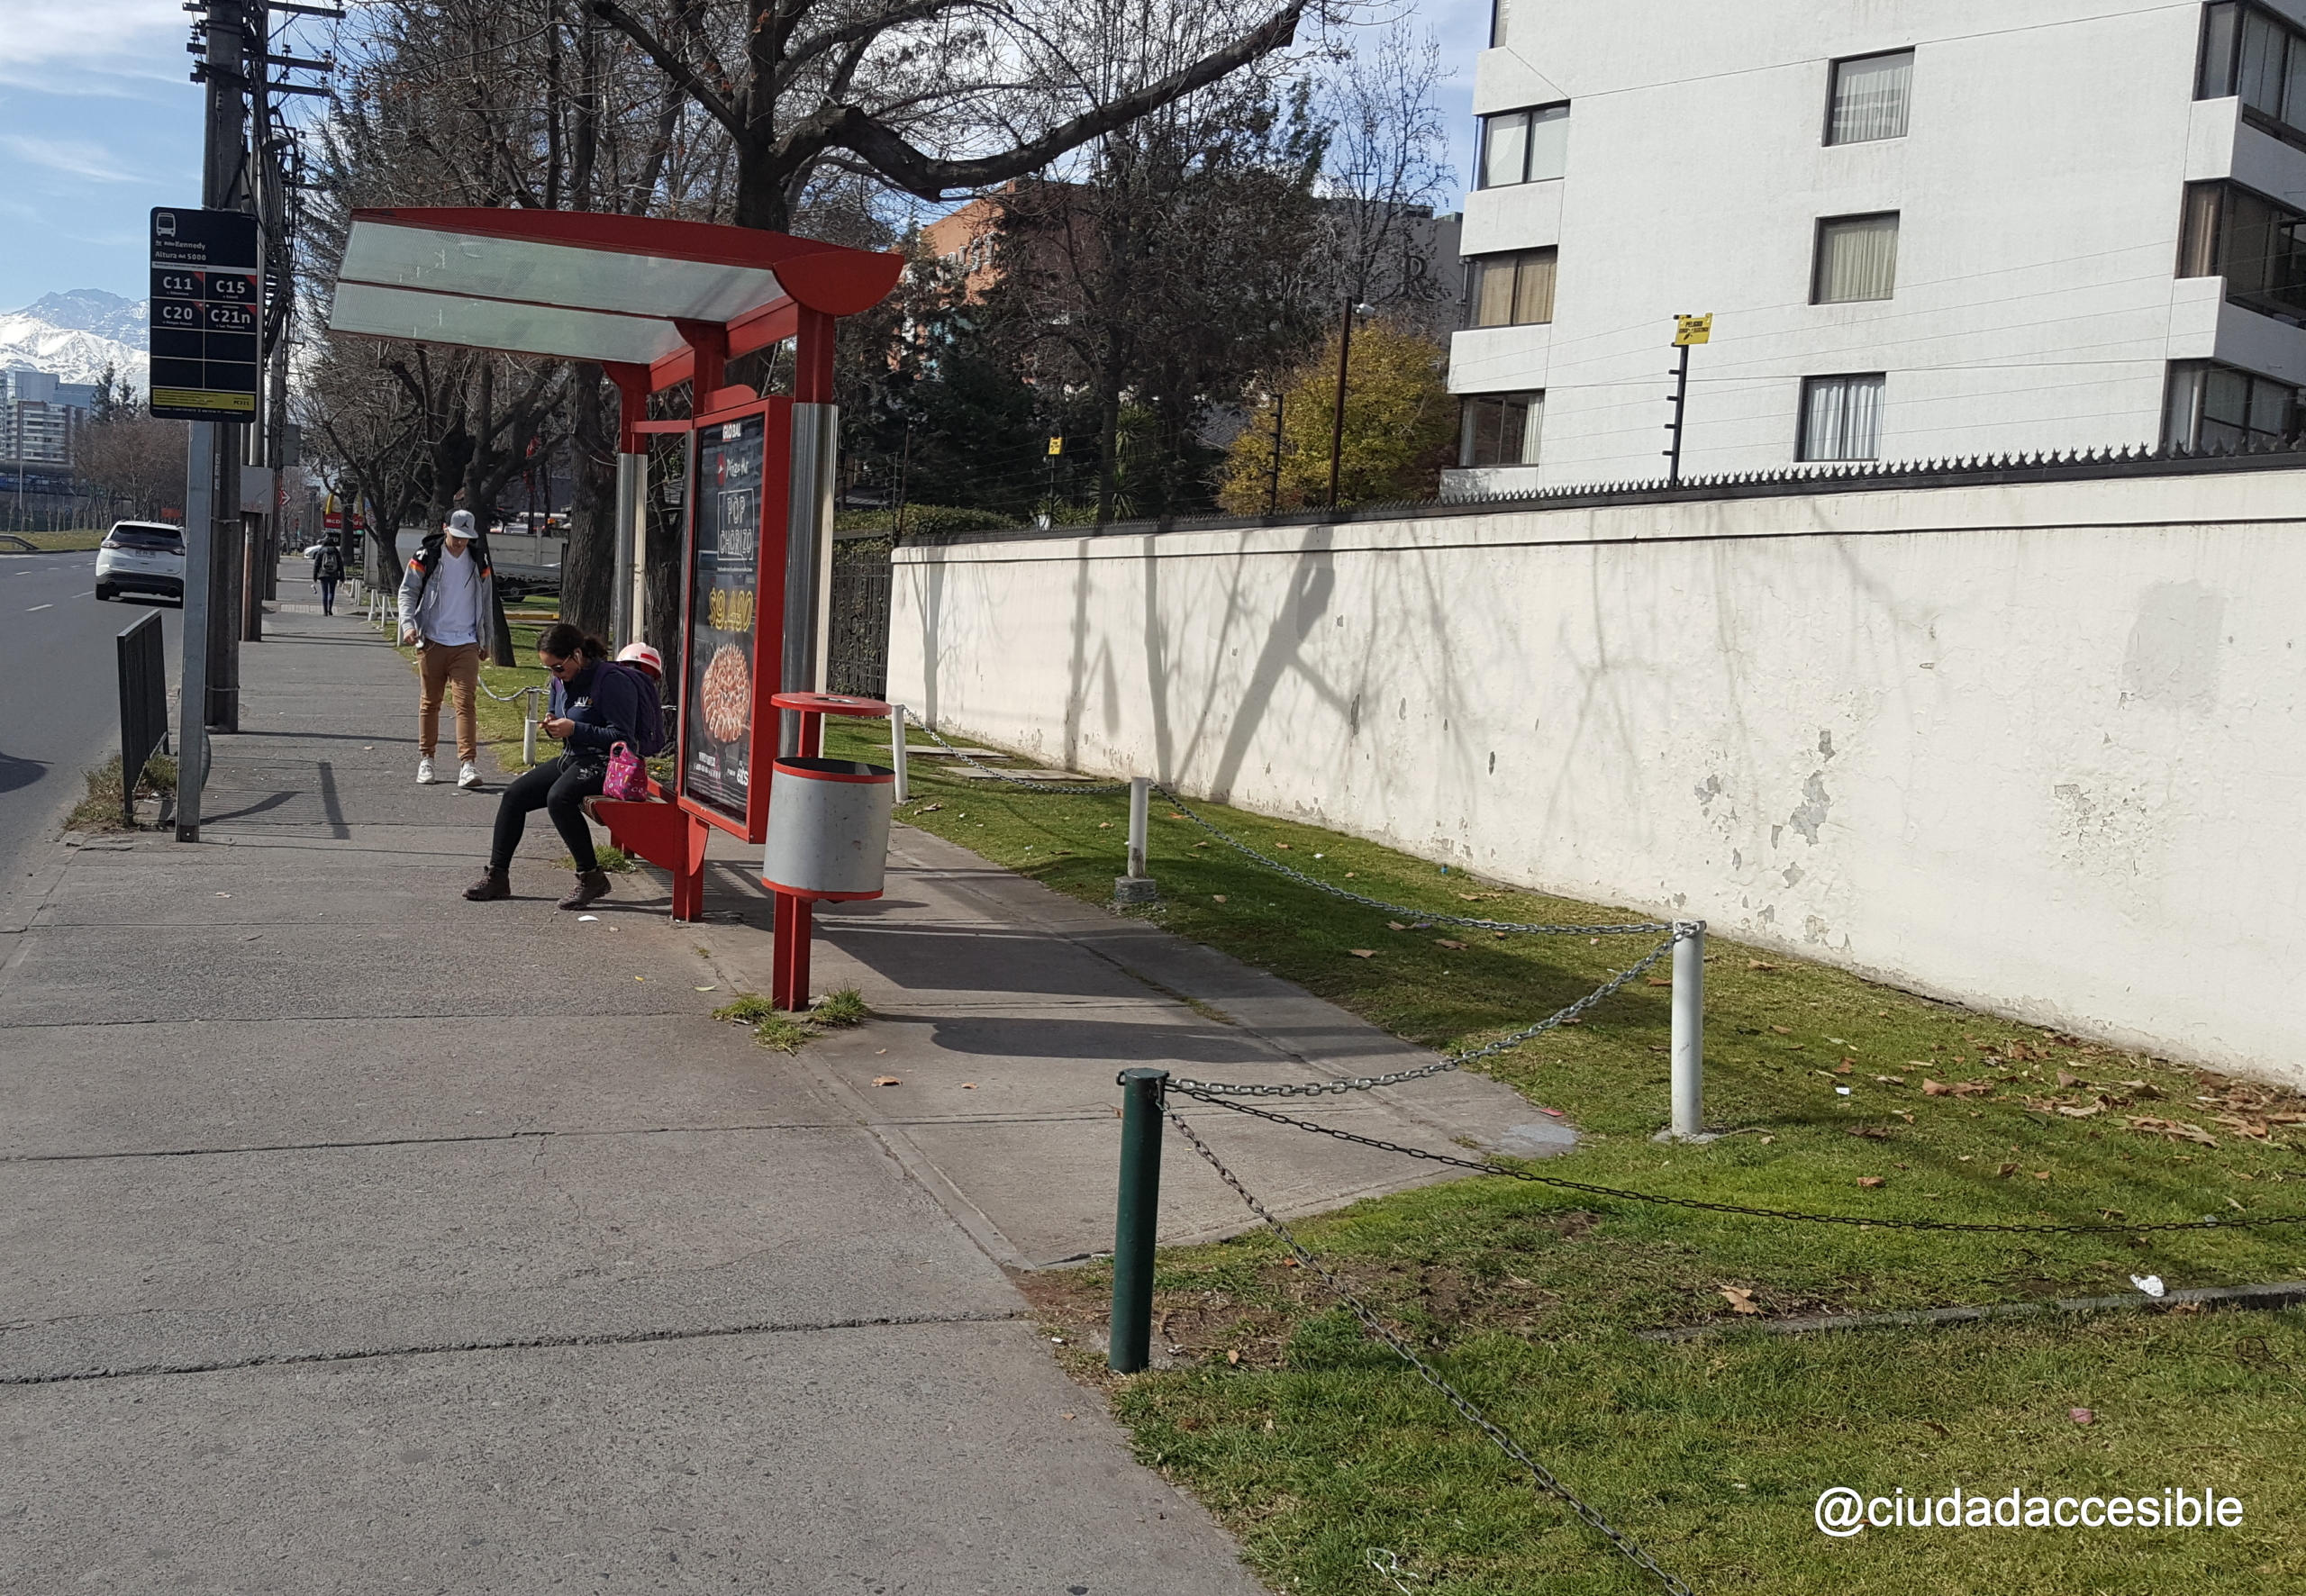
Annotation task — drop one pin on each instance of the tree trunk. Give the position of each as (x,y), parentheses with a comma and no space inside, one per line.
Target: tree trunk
(585,562)
(761,189)
(1108,449)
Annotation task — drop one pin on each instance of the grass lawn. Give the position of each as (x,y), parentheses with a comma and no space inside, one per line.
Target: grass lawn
(70,542)
(1314,1444)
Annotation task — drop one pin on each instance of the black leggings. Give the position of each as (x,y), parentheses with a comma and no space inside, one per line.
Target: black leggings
(560,785)
(328,595)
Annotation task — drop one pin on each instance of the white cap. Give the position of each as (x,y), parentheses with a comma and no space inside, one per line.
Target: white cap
(461,523)
(643,656)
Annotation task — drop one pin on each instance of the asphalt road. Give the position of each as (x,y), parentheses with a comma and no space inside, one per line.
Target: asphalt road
(60,710)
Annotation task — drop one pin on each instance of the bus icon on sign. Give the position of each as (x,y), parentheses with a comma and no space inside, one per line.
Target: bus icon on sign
(164,225)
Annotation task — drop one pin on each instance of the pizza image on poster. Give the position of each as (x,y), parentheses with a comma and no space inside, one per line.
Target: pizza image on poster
(728,694)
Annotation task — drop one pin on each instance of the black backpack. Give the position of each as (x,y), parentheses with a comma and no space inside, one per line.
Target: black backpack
(332,565)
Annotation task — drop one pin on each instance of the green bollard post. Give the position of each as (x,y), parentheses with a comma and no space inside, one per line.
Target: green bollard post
(1129,1341)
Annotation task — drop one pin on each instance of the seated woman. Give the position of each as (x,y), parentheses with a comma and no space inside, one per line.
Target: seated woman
(595,705)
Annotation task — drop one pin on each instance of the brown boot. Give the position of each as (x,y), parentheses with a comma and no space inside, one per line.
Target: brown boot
(590,885)
(493,884)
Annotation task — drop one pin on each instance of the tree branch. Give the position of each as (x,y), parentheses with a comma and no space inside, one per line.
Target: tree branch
(846,127)
(671,64)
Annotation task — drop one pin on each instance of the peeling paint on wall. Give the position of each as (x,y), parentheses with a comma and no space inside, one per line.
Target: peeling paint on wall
(1811,813)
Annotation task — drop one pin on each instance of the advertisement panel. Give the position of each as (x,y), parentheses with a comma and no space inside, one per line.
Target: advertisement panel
(719,695)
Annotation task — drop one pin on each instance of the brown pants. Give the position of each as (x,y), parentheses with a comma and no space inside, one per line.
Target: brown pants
(443,665)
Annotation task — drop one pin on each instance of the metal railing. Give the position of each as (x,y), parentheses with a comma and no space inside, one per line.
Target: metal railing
(143,705)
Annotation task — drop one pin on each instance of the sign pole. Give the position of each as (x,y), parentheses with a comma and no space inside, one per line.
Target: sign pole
(1687,330)
(192,694)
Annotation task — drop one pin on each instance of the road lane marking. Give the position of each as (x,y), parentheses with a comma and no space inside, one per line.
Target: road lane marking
(36,609)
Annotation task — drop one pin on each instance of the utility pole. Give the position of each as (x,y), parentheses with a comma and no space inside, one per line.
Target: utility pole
(1273,488)
(1336,423)
(1687,330)
(241,171)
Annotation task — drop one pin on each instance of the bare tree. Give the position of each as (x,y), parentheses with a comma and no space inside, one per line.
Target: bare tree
(1386,168)
(134,463)
(934,97)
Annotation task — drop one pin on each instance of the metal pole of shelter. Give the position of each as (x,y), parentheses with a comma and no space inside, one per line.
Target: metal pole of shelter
(631,539)
(1689,1032)
(816,436)
(192,693)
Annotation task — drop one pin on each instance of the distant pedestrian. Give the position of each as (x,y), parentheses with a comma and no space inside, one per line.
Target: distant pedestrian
(448,600)
(328,570)
(596,704)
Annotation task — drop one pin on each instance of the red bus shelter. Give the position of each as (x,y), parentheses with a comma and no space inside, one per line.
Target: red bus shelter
(658,304)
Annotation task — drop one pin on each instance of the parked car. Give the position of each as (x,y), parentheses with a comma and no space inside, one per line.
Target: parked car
(140,557)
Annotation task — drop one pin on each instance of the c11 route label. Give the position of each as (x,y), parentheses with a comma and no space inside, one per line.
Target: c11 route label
(207,298)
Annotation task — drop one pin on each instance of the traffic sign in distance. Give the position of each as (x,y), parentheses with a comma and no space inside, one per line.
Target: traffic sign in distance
(206,302)
(1690,329)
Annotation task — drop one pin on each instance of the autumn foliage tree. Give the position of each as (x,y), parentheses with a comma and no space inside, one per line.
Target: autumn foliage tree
(1400,424)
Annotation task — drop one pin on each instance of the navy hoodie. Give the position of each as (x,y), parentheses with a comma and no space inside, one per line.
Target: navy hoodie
(606,704)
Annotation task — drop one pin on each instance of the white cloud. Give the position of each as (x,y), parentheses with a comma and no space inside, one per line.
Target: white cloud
(105,34)
(74,157)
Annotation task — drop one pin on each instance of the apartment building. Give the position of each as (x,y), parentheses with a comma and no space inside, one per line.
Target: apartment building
(40,417)
(1923,228)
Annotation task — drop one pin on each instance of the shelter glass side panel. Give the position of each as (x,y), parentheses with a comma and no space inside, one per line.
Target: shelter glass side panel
(721,664)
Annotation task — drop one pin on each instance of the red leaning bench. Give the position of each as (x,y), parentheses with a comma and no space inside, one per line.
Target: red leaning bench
(660,831)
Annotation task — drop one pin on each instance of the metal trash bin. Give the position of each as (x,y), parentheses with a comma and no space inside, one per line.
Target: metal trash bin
(828,828)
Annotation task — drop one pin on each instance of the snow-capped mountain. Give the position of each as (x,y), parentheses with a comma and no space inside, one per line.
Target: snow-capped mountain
(75,335)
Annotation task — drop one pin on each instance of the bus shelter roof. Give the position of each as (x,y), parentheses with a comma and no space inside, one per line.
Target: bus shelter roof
(579,286)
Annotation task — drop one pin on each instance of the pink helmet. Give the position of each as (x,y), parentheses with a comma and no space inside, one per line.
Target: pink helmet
(643,656)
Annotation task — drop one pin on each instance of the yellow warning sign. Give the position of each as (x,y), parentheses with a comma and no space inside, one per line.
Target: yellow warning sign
(1690,329)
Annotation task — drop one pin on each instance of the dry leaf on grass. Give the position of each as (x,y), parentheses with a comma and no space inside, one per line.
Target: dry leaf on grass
(886,1081)
(1660,981)
(1741,1299)
(2068,1078)
(1871,1181)
(1876,1132)
(1783,1031)
(2004,1170)
(2177,1130)
(1217,897)
(1363,952)
(1394,925)
(1233,1355)
(1956,1089)
(1445,942)
(1754,964)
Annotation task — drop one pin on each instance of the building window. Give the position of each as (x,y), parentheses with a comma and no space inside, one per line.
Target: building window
(2251,52)
(1841,417)
(1513,290)
(2210,407)
(1857,258)
(2258,246)
(1524,146)
(1870,97)
(1500,21)
(1500,429)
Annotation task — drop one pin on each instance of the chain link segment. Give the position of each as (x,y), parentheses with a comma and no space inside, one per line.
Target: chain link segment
(2207,1221)
(1546,1480)
(1561,1017)
(1024,783)
(1432,916)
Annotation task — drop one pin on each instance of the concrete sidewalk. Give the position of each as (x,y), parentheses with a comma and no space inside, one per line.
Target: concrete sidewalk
(356,1237)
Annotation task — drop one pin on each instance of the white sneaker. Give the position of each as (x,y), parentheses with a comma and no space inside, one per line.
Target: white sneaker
(424,777)
(469,776)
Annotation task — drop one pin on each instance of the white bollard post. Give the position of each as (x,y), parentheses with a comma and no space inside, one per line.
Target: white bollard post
(1137,887)
(1141,801)
(1689,1032)
(897,751)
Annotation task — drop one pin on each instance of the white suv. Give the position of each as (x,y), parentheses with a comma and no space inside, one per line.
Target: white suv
(141,556)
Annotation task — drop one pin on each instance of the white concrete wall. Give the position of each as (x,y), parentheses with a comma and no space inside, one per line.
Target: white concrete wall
(2039,186)
(2035,748)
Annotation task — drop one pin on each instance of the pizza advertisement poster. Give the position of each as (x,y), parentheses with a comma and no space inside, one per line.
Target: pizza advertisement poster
(724,578)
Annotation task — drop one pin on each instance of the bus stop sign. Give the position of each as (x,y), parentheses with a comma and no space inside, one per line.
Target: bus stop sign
(206,297)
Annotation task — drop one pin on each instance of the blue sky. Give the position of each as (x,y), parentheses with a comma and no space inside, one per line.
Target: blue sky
(99,122)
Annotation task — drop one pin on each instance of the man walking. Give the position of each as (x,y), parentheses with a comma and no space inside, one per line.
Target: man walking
(447,600)
(328,570)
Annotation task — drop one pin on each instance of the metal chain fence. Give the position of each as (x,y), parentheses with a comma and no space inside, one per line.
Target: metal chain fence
(1561,1017)
(1546,1480)
(1861,1221)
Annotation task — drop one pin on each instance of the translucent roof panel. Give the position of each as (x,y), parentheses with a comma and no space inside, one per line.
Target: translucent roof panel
(582,286)
(535,273)
(501,324)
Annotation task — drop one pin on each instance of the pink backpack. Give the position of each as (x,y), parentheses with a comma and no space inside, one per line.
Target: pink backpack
(628,776)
